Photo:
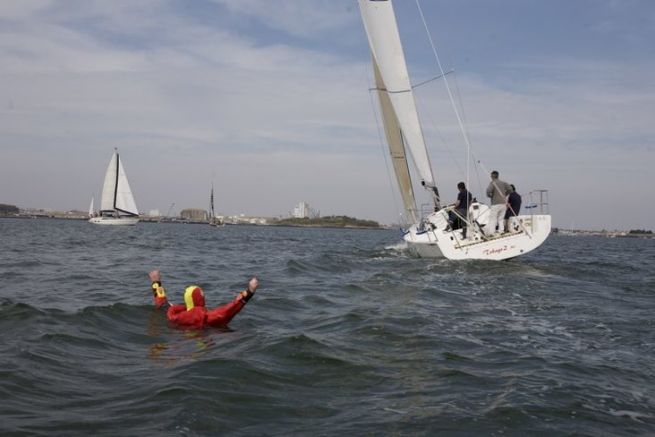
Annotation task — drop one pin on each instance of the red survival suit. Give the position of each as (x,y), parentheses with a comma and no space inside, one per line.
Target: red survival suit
(193,313)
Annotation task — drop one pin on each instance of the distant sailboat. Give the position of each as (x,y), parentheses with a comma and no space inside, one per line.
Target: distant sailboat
(91,209)
(117,206)
(431,236)
(213,221)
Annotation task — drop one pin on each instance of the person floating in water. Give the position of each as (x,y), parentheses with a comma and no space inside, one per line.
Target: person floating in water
(193,312)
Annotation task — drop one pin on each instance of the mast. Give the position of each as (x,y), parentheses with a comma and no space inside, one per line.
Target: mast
(118,160)
(211,206)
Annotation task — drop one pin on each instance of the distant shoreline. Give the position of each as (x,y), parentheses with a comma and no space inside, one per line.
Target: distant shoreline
(192,222)
(169,220)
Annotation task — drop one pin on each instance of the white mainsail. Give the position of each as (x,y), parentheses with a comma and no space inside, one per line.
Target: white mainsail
(389,60)
(109,185)
(91,207)
(116,192)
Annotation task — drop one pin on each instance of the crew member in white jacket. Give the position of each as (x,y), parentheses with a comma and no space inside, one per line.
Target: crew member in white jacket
(497,191)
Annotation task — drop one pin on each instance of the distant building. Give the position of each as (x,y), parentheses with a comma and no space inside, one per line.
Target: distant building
(243,219)
(301,210)
(194,214)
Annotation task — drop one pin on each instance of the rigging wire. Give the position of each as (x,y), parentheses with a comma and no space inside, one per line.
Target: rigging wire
(461,117)
(431,118)
(476,162)
(450,94)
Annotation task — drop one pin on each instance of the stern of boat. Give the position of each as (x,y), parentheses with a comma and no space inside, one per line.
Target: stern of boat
(432,238)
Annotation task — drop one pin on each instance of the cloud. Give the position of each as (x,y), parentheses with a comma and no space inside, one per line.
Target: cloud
(278,119)
(308,19)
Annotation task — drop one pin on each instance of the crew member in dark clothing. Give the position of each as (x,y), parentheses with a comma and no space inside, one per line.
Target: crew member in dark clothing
(513,206)
(458,216)
(193,313)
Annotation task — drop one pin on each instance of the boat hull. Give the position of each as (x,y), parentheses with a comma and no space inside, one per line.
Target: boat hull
(432,240)
(114,221)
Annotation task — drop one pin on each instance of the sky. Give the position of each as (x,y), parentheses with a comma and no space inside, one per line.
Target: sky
(270,102)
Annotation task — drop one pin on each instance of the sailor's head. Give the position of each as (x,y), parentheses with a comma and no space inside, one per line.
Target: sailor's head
(494,174)
(513,188)
(461,186)
(194,297)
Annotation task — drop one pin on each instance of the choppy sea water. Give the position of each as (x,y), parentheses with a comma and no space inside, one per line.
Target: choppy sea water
(348,335)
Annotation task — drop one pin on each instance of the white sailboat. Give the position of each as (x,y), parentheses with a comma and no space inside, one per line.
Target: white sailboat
(430,236)
(213,221)
(117,206)
(91,208)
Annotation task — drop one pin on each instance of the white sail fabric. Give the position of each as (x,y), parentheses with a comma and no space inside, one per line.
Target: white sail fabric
(91,211)
(116,192)
(396,148)
(109,185)
(124,198)
(384,40)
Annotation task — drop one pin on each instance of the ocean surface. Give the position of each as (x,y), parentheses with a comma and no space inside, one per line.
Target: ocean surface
(347,335)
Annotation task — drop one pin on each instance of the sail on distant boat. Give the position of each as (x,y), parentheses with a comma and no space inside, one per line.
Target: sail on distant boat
(91,209)
(117,205)
(213,221)
(430,236)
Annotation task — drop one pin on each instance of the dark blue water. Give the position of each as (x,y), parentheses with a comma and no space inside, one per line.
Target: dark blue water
(348,335)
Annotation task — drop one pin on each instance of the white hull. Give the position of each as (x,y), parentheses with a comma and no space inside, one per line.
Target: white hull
(114,221)
(527,232)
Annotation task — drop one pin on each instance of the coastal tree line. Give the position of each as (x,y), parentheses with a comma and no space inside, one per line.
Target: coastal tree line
(337,221)
(8,209)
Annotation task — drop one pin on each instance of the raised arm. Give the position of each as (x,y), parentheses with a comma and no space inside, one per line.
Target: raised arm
(222,315)
(158,291)
(250,290)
